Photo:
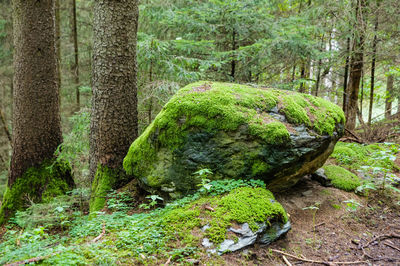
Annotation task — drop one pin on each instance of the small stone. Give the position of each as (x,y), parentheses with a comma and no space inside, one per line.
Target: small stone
(307,193)
(207,243)
(320,177)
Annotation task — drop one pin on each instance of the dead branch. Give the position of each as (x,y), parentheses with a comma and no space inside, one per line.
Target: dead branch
(316,261)
(101,234)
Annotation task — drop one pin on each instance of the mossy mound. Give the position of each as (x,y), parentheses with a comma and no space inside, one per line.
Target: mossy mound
(211,217)
(37,184)
(342,178)
(356,156)
(236,131)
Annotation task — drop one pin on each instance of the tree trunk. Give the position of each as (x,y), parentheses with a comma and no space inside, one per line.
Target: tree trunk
(374,48)
(58,41)
(302,77)
(345,76)
(36,119)
(356,67)
(389,96)
(75,66)
(233,62)
(114,103)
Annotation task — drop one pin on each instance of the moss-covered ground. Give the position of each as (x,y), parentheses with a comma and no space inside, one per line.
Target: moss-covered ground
(149,237)
(356,166)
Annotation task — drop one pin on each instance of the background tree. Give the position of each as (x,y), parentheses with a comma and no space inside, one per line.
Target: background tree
(36,121)
(114,104)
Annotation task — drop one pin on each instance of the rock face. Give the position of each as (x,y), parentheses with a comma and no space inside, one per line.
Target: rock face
(237,132)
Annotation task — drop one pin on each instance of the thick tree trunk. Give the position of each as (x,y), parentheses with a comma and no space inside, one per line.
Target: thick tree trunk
(36,119)
(356,67)
(74,38)
(389,96)
(114,103)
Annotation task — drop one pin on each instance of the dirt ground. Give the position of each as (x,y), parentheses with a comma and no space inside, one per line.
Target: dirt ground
(370,235)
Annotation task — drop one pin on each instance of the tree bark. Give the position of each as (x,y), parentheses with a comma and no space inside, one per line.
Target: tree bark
(345,76)
(75,66)
(36,118)
(114,102)
(356,67)
(389,96)
(374,49)
(58,41)
(233,62)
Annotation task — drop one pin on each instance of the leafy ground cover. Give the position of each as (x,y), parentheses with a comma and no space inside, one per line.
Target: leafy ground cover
(328,224)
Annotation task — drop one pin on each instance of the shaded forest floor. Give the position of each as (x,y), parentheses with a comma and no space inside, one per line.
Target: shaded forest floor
(329,225)
(341,234)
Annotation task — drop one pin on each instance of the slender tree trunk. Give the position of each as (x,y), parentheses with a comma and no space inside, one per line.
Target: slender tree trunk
(356,67)
(302,76)
(374,49)
(389,96)
(318,79)
(36,126)
(293,73)
(114,102)
(233,62)
(362,93)
(75,66)
(346,75)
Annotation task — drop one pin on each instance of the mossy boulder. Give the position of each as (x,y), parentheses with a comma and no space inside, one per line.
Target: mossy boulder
(236,131)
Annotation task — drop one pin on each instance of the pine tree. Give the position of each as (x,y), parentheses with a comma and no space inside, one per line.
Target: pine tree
(114,102)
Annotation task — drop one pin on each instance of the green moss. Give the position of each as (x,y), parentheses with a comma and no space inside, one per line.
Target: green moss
(356,156)
(104,181)
(38,184)
(342,178)
(241,205)
(295,109)
(214,107)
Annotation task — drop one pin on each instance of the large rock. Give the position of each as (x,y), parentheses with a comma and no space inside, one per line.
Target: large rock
(236,131)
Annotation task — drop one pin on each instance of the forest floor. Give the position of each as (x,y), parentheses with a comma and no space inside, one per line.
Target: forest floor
(329,227)
(370,234)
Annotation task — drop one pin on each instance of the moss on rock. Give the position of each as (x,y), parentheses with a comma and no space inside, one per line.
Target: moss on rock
(231,121)
(37,184)
(342,178)
(242,205)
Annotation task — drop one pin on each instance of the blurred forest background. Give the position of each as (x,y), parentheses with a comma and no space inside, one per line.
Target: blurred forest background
(307,46)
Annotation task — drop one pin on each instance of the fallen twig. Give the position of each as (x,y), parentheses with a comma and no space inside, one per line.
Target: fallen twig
(209,208)
(316,261)
(381,237)
(168,261)
(101,235)
(390,245)
(286,261)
